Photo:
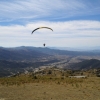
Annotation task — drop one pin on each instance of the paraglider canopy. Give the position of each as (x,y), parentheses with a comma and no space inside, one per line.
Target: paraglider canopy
(41,28)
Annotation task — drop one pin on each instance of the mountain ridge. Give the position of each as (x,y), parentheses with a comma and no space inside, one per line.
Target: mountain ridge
(28,53)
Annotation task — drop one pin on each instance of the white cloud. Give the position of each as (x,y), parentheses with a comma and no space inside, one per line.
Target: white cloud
(69,33)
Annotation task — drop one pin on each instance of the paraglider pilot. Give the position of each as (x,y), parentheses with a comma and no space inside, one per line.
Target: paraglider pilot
(44,44)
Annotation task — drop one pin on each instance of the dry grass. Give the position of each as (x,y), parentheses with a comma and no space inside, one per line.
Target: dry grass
(88,89)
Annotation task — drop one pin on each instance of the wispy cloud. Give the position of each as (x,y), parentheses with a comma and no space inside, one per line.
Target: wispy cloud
(53,9)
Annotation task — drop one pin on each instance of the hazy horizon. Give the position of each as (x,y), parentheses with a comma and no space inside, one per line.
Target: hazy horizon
(62,48)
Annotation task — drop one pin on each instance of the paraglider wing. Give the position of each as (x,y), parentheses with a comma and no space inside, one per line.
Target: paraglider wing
(40,28)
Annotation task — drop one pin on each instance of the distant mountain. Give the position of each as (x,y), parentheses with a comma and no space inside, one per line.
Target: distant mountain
(67,52)
(78,48)
(86,64)
(20,53)
(29,53)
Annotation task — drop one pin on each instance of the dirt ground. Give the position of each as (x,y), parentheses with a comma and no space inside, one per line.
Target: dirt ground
(87,90)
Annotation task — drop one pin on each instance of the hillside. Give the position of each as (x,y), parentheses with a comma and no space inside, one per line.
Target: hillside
(51,84)
(8,68)
(20,53)
(86,64)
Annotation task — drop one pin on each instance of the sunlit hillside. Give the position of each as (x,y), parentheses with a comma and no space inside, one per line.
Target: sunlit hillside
(51,84)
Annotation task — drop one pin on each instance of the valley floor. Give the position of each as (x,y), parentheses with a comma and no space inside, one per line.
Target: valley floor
(89,89)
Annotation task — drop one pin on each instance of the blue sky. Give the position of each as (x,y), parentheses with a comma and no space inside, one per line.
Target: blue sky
(76,23)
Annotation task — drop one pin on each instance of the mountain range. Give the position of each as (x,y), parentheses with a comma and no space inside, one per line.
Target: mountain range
(78,48)
(21,59)
(29,53)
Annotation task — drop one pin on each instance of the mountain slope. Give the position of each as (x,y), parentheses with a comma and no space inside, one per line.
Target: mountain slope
(12,67)
(29,53)
(86,64)
(23,53)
